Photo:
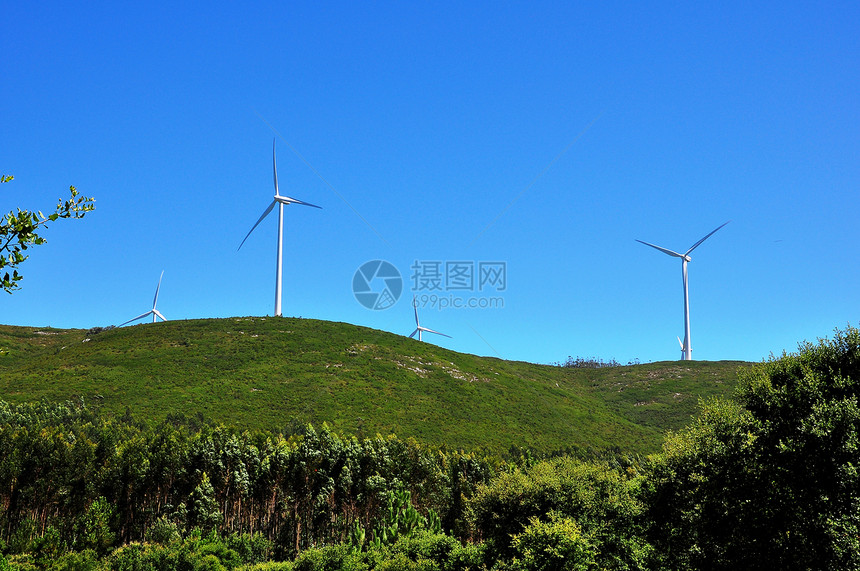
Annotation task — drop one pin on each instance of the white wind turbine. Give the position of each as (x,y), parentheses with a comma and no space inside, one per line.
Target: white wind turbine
(686,350)
(419,329)
(280,201)
(154,312)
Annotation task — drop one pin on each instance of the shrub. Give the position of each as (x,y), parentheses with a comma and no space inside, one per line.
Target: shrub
(86,560)
(602,501)
(400,562)
(251,547)
(556,545)
(443,551)
(195,553)
(163,531)
(771,482)
(330,558)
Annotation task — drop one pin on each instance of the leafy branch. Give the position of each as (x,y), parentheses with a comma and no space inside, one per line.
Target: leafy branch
(19,231)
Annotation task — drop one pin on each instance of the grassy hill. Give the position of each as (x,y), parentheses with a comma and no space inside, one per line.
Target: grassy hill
(280,373)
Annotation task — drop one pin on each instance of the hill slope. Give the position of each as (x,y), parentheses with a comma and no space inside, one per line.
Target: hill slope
(280,373)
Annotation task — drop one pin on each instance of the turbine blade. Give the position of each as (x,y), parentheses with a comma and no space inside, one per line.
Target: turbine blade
(664,250)
(289,200)
(411,335)
(275,165)
(436,332)
(141,316)
(415,307)
(681,343)
(266,213)
(158,313)
(158,287)
(696,245)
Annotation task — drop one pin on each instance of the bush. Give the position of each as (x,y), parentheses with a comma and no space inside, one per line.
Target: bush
(251,547)
(163,531)
(400,562)
(603,502)
(330,558)
(86,560)
(270,566)
(443,551)
(425,545)
(771,482)
(195,553)
(556,545)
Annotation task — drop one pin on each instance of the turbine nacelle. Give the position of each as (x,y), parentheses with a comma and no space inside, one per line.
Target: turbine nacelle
(277,199)
(289,200)
(685,256)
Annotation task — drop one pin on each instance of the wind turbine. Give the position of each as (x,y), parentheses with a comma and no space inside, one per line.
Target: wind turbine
(280,201)
(154,312)
(686,350)
(419,329)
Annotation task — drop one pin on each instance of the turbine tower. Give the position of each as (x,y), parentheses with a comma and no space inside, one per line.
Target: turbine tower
(154,312)
(280,201)
(686,350)
(419,329)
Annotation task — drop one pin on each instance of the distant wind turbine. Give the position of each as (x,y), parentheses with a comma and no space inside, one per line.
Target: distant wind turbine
(419,329)
(686,350)
(280,201)
(154,312)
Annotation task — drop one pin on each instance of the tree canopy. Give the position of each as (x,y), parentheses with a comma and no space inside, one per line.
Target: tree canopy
(770,481)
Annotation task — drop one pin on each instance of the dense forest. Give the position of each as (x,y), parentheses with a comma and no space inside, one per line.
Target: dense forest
(768,479)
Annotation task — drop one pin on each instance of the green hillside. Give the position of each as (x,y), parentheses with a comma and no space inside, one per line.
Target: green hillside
(281,373)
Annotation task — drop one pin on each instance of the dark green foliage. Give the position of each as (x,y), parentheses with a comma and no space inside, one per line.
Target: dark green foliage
(195,553)
(93,529)
(443,551)
(602,501)
(400,562)
(554,545)
(774,484)
(701,498)
(399,519)
(767,481)
(330,558)
(163,531)
(203,511)
(47,547)
(71,478)
(250,547)
(87,560)
(421,550)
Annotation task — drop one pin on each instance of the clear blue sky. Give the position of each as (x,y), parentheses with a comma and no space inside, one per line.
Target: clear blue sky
(546,135)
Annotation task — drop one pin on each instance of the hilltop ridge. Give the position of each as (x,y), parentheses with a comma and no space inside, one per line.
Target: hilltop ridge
(281,373)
